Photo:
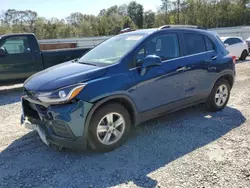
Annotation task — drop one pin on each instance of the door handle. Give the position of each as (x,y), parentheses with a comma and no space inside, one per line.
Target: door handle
(214,57)
(181,69)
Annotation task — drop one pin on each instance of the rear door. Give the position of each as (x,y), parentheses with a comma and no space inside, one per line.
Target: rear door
(200,54)
(20,61)
(161,87)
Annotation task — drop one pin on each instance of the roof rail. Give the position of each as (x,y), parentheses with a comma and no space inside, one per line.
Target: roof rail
(181,26)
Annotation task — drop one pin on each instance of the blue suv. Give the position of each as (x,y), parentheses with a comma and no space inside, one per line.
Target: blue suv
(130,78)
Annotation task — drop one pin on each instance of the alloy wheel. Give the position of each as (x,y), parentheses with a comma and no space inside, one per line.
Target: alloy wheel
(111,128)
(221,95)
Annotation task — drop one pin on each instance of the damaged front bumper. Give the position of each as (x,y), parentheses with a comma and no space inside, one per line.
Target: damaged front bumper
(62,125)
(27,124)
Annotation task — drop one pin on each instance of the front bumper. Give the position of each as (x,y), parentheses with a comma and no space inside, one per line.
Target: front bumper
(27,124)
(62,125)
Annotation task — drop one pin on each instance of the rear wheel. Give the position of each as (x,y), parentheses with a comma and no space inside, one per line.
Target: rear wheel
(219,96)
(109,127)
(244,55)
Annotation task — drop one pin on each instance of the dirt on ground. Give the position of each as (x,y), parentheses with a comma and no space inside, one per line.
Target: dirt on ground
(188,148)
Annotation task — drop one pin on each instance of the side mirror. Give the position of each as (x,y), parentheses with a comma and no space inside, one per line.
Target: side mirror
(150,61)
(2,52)
(226,44)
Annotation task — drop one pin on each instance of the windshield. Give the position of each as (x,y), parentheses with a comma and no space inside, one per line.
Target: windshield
(111,50)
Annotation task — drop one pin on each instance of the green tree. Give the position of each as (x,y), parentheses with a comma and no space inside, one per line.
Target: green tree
(135,12)
(75,18)
(149,19)
(122,10)
(127,22)
(166,7)
(207,13)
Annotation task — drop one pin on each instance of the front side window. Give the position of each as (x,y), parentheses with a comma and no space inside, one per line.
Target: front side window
(194,43)
(16,45)
(165,46)
(112,50)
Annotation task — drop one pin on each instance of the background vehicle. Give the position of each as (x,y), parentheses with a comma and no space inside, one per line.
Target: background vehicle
(126,80)
(236,46)
(21,57)
(126,30)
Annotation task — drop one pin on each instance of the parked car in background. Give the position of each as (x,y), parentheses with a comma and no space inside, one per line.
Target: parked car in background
(128,79)
(21,57)
(236,46)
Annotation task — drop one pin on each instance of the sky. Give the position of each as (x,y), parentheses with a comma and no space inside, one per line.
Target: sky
(63,8)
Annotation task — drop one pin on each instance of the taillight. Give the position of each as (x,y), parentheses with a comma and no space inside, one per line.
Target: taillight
(234,59)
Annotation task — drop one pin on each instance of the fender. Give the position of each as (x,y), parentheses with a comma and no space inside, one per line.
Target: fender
(102,101)
(220,75)
(225,73)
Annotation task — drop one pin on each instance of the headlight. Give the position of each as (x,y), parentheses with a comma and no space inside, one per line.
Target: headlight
(61,95)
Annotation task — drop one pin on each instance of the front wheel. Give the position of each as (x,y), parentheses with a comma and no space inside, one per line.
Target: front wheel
(109,127)
(219,96)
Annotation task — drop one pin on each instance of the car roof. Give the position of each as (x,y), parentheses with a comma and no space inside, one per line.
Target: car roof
(140,31)
(15,34)
(153,30)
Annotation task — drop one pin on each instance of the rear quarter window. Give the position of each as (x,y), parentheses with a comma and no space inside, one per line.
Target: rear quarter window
(209,44)
(222,48)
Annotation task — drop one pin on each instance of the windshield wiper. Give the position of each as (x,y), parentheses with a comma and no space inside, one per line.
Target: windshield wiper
(87,63)
(77,61)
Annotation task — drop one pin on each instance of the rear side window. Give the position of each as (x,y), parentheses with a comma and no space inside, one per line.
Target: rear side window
(194,43)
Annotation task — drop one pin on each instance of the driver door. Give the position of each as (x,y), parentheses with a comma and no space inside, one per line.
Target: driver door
(161,88)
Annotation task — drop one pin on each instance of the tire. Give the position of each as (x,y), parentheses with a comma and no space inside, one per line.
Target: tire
(244,55)
(215,96)
(100,120)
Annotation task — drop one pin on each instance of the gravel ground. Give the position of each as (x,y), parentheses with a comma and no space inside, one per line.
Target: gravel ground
(189,148)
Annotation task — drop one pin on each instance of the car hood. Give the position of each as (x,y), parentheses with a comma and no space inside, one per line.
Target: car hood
(62,75)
